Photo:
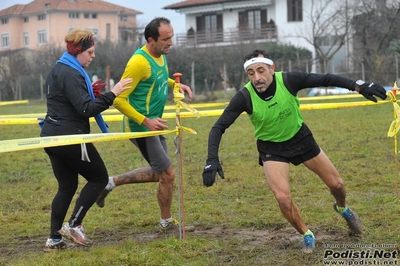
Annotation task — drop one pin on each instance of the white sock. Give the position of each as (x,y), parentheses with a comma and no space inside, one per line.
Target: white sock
(165,222)
(111,185)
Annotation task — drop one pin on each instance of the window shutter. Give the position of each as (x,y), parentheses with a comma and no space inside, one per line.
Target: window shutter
(219,22)
(264,19)
(200,25)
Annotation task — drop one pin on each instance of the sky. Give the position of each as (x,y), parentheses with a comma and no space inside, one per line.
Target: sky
(149,8)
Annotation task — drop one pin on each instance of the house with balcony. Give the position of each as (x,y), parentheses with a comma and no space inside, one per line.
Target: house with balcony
(46,22)
(221,22)
(228,22)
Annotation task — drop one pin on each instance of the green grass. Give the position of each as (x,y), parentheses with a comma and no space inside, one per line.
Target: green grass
(237,220)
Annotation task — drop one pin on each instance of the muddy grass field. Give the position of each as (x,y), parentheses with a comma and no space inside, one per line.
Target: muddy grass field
(237,220)
(277,246)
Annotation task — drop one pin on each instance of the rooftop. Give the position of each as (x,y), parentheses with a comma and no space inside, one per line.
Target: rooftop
(37,6)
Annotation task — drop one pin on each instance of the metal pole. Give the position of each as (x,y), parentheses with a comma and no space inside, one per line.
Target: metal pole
(182,232)
(192,83)
(362,69)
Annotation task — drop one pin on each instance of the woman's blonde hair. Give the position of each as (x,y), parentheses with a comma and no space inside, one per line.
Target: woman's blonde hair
(78,41)
(78,35)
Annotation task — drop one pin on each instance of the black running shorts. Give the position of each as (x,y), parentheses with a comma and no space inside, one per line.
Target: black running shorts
(302,147)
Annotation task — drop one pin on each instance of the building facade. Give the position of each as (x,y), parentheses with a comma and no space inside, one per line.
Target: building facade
(44,22)
(226,22)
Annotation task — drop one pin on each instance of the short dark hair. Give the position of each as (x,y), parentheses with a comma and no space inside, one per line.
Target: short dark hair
(256,53)
(151,29)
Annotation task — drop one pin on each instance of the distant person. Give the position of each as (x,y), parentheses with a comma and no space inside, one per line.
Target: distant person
(70,104)
(271,102)
(143,106)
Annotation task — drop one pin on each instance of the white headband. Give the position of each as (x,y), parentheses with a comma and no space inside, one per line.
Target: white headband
(257,60)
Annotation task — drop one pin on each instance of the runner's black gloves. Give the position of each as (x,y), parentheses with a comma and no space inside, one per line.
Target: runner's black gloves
(369,90)
(210,171)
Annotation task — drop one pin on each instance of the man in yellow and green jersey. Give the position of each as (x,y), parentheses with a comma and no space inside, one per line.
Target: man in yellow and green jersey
(143,107)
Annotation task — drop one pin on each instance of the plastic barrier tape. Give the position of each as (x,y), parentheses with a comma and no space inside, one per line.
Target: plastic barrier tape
(42,142)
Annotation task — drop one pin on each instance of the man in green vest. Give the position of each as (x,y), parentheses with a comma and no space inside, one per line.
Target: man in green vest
(271,102)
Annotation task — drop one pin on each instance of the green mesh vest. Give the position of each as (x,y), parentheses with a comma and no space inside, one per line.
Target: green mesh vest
(278,119)
(150,96)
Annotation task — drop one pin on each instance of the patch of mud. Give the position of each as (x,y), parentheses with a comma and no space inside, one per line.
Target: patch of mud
(278,238)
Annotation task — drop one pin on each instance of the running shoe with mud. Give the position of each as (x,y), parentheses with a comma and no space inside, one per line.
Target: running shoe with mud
(54,245)
(352,219)
(309,243)
(75,234)
(173,227)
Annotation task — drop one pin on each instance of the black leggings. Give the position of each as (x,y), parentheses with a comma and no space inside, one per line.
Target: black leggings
(68,162)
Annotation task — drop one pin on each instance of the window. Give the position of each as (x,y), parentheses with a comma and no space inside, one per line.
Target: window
(253,19)
(5,41)
(253,24)
(73,15)
(208,26)
(295,10)
(94,15)
(4,21)
(42,17)
(26,19)
(124,18)
(26,38)
(42,37)
(86,15)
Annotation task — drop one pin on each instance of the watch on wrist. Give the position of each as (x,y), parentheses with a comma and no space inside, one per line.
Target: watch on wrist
(359,83)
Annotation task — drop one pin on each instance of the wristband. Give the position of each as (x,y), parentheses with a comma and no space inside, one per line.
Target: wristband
(359,83)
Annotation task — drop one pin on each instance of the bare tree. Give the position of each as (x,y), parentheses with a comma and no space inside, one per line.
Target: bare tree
(13,67)
(327,27)
(111,55)
(377,31)
(209,63)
